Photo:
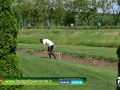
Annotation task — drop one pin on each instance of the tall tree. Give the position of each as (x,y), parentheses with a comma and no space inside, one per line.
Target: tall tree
(71,11)
(17,13)
(81,7)
(94,11)
(59,11)
(105,6)
(24,6)
(118,18)
(9,65)
(116,13)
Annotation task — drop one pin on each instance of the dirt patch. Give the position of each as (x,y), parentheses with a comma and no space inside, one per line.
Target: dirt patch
(75,59)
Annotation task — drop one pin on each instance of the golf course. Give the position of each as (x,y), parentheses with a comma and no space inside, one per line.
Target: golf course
(80,53)
(60,45)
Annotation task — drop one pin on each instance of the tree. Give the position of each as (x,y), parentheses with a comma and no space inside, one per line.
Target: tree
(116,13)
(81,6)
(71,11)
(17,14)
(59,11)
(9,66)
(69,18)
(24,7)
(88,11)
(94,11)
(105,6)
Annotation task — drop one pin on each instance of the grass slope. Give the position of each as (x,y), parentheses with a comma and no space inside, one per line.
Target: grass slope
(97,78)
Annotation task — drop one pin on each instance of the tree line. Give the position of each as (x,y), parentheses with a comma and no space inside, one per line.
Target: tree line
(65,12)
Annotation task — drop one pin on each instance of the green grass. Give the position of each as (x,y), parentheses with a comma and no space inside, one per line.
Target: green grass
(97,38)
(84,43)
(82,51)
(97,78)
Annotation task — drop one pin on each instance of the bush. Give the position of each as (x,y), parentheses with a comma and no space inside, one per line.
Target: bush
(9,66)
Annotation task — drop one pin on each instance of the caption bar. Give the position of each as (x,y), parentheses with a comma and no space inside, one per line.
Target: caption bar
(44,81)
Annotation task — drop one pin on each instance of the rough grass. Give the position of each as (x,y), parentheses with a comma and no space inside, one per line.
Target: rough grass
(97,38)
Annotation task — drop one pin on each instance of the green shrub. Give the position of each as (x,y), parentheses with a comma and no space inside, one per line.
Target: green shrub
(9,66)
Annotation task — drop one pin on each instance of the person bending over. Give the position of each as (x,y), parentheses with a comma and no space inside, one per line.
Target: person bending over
(50,47)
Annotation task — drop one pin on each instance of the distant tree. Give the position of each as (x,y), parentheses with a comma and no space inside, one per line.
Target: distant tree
(49,11)
(115,16)
(9,65)
(24,7)
(105,6)
(94,11)
(116,13)
(69,18)
(90,12)
(71,11)
(81,7)
(17,13)
(59,12)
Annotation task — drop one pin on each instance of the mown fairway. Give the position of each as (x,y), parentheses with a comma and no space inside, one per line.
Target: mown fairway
(97,78)
(74,42)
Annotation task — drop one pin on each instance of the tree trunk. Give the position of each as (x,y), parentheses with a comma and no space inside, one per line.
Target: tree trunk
(88,22)
(103,17)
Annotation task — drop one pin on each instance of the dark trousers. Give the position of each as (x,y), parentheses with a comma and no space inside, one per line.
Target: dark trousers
(50,49)
(98,27)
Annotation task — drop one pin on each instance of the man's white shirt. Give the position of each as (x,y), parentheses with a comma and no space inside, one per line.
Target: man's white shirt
(47,42)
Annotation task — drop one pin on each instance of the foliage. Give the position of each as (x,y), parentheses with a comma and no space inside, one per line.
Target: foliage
(46,11)
(9,66)
(69,18)
(17,14)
